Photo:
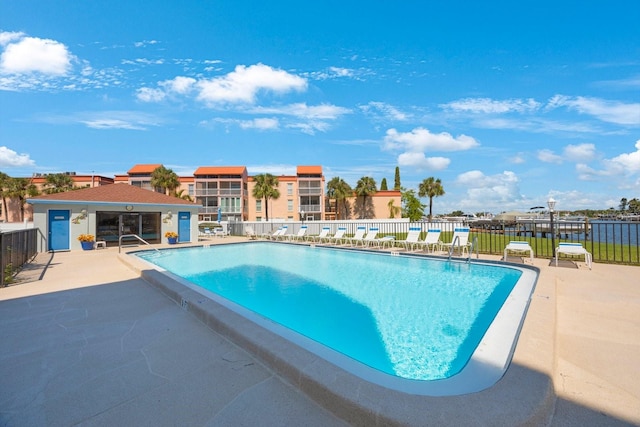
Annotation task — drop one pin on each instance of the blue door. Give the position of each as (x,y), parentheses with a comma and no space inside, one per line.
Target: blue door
(184,226)
(58,230)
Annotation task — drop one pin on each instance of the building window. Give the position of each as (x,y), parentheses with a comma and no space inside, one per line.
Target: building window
(289,189)
(290,205)
(258,205)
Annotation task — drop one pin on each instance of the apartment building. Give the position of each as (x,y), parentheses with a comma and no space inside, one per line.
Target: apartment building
(226,193)
(222,191)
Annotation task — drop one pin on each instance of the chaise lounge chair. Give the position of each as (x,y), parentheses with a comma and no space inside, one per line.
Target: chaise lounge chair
(323,233)
(460,240)
(248,231)
(574,249)
(411,241)
(336,238)
(357,237)
(431,241)
(519,248)
(300,235)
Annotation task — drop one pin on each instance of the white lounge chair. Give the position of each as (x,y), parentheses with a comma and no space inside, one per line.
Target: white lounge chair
(272,236)
(519,248)
(574,249)
(283,233)
(323,233)
(460,240)
(411,241)
(431,241)
(337,238)
(248,231)
(357,237)
(300,234)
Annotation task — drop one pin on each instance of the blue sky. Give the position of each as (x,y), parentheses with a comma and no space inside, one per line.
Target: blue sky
(508,103)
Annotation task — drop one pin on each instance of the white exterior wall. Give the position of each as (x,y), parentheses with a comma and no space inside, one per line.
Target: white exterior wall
(79,225)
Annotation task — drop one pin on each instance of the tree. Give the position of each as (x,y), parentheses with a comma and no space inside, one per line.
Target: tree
(165,178)
(623,204)
(57,183)
(383,185)
(339,190)
(365,188)
(396,182)
(4,187)
(411,206)
(431,187)
(634,206)
(393,210)
(180,194)
(266,188)
(21,189)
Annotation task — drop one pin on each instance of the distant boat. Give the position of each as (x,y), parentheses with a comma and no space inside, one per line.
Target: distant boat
(629,217)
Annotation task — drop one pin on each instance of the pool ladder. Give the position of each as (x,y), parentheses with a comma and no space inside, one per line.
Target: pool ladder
(474,245)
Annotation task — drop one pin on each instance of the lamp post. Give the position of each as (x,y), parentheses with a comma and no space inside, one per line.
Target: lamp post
(302,216)
(552,204)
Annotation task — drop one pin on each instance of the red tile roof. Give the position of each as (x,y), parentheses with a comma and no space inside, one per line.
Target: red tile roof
(113,193)
(220,170)
(309,170)
(137,169)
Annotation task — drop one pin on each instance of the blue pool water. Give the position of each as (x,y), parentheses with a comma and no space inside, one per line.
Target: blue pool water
(410,317)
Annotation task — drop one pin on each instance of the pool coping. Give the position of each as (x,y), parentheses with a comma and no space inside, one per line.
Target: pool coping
(522,396)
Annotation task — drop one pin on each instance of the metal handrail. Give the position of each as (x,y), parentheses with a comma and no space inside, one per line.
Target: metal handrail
(453,245)
(474,244)
(132,235)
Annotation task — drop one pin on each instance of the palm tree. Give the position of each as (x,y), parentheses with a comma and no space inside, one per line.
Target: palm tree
(393,210)
(181,195)
(431,187)
(164,178)
(266,188)
(366,187)
(21,189)
(57,183)
(339,190)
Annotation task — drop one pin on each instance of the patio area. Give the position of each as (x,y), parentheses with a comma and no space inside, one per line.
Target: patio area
(87,340)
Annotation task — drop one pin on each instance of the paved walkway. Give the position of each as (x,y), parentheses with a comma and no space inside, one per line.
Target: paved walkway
(86,341)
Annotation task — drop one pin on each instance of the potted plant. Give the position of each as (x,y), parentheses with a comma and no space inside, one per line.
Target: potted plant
(172,237)
(87,241)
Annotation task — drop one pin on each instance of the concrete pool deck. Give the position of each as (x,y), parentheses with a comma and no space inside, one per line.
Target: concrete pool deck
(86,340)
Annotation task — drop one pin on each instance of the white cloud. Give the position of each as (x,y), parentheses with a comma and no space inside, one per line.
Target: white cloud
(421,139)
(490,106)
(146,94)
(607,111)
(7,37)
(302,110)
(9,158)
(549,156)
(260,124)
(30,54)
(243,84)
(421,162)
(580,153)
(180,85)
(383,111)
(495,193)
(630,162)
(112,124)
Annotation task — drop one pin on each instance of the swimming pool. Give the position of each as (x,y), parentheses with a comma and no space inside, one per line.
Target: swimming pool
(404,322)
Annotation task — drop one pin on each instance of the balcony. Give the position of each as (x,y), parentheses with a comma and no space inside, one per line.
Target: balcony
(219,192)
(311,208)
(214,210)
(310,191)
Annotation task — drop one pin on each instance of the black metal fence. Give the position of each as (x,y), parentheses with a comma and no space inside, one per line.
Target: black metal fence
(608,241)
(16,248)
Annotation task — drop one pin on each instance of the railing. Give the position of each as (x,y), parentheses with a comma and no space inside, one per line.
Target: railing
(615,242)
(218,192)
(310,191)
(132,235)
(16,249)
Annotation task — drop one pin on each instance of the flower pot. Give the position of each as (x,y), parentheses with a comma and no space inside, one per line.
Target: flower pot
(172,240)
(87,246)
